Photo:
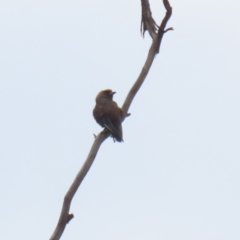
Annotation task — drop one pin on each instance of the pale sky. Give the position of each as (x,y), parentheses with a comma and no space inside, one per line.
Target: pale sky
(177,174)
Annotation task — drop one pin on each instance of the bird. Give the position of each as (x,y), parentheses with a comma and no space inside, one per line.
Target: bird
(107,114)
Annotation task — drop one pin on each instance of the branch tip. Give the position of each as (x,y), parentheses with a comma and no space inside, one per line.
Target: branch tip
(168,29)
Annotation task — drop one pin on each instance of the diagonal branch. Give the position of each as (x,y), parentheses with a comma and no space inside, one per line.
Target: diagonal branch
(148,24)
(154,49)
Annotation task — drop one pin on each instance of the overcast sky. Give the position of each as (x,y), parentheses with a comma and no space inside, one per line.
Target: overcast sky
(177,174)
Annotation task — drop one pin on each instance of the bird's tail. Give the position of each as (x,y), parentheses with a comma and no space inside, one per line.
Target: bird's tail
(116,131)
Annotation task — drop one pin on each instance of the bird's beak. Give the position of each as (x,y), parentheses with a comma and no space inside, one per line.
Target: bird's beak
(112,93)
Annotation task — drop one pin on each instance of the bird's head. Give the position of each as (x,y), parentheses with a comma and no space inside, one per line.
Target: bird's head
(105,94)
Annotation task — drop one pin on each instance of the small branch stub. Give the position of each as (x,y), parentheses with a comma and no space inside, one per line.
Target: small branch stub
(70,217)
(168,29)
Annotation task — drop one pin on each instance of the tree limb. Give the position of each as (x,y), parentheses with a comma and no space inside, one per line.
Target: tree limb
(154,49)
(149,24)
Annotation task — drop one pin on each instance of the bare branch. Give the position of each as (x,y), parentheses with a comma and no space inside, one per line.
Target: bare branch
(64,216)
(147,24)
(151,54)
(140,79)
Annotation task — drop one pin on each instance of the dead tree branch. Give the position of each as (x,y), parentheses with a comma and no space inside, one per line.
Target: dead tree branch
(156,32)
(154,49)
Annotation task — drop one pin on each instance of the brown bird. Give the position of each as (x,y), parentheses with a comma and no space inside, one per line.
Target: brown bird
(107,114)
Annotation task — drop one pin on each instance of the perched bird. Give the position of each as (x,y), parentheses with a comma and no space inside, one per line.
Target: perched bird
(107,114)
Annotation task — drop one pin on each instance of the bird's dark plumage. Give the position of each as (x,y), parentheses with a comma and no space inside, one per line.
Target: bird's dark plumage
(108,114)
